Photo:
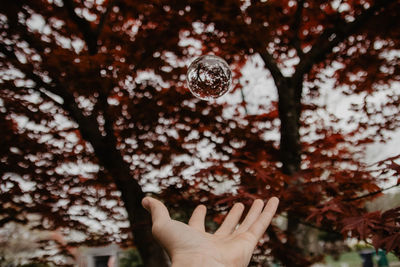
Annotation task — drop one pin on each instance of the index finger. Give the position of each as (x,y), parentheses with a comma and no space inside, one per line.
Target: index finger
(159,213)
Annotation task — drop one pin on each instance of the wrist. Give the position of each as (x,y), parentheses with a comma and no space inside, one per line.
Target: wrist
(195,260)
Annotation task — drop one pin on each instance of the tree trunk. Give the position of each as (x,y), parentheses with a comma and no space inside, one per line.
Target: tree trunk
(289,107)
(140,220)
(290,149)
(289,115)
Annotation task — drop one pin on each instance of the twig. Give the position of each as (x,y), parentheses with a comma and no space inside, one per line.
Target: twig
(370,194)
(244,101)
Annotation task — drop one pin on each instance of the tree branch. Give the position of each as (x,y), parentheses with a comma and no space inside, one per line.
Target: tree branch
(244,101)
(44,94)
(370,194)
(90,35)
(331,37)
(12,219)
(259,46)
(296,28)
(68,104)
(305,223)
(108,121)
(103,17)
(87,125)
(272,66)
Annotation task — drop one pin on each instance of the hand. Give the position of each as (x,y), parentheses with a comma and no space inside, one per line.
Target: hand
(190,245)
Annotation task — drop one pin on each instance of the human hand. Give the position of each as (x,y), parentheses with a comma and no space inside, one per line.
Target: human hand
(190,245)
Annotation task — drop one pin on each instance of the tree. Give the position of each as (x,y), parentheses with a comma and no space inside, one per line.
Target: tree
(304,38)
(74,91)
(298,41)
(79,66)
(42,49)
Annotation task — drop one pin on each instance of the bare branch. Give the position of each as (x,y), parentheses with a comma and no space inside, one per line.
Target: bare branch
(296,28)
(370,194)
(305,223)
(244,101)
(272,66)
(258,44)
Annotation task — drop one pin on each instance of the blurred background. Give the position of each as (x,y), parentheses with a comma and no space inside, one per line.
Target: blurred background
(95,114)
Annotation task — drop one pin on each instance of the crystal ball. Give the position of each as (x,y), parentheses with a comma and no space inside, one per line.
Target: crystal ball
(209,77)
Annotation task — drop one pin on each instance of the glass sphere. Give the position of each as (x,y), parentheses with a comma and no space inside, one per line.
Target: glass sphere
(209,77)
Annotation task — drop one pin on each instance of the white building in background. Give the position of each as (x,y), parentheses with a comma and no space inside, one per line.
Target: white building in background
(107,256)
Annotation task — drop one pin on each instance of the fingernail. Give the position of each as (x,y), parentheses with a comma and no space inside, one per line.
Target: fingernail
(145,203)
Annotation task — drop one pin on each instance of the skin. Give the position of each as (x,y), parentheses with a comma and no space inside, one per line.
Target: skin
(231,245)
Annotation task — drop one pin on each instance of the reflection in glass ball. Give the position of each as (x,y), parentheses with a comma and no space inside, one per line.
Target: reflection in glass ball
(209,77)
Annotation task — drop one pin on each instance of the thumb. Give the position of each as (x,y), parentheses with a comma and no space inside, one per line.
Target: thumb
(159,213)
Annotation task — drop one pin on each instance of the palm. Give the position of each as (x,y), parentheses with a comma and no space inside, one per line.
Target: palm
(229,245)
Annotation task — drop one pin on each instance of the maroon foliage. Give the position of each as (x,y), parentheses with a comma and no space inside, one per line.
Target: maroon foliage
(94,108)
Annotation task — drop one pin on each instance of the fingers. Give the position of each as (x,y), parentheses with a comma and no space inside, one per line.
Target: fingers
(251,216)
(197,219)
(159,213)
(264,219)
(231,220)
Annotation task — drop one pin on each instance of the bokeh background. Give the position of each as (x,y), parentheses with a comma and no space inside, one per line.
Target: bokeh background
(95,114)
